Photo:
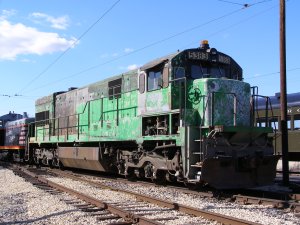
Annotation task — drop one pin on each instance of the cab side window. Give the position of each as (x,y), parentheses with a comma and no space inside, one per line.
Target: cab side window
(154,79)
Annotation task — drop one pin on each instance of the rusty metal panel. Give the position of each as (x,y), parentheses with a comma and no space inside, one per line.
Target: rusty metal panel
(80,157)
(82,96)
(159,61)
(130,81)
(44,100)
(66,110)
(60,114)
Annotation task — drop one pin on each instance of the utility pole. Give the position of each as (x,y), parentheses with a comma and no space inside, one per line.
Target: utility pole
(283,101)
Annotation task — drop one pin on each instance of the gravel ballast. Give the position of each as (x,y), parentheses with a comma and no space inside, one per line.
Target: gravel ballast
(22,203)
(254,213)
(120,198)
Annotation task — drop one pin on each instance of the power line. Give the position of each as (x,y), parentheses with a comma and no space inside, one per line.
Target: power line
(233,25)
(261,2)
(70,47)
(18,96)
(145,47)
(9,96)
(273,73)
(234,3)
(244,4)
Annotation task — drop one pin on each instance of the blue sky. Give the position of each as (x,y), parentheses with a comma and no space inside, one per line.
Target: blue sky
(49,46)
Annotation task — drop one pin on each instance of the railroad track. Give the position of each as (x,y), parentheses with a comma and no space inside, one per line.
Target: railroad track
(126,210)
(278,200)
(279,204)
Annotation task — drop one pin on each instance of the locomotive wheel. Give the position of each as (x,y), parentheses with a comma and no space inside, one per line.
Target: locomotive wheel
(161,177)
(149,171)
(61,166)
(170,177)
(44,161)
(50,162)
(129,174)
(35,161)
(55,162)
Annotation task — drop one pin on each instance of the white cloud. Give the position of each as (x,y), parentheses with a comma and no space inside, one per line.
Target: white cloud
(60,23)
(132,67)
(18,39)
(103,56)
(7,13)
(128,50)
(27,61)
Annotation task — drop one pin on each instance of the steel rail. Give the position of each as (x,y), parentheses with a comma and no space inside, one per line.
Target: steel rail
(168,204)
(243,199)
(279,204)
(127,216)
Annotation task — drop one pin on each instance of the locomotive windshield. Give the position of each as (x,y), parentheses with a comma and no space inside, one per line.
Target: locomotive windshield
(203,63)
(203,70)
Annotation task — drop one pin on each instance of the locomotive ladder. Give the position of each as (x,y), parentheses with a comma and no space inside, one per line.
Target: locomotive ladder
(199,151)
(199,141)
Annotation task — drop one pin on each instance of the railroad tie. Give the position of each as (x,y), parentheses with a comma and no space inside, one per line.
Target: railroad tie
(108,217)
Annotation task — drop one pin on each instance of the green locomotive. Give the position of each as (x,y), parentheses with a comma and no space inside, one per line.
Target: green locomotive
(185,117)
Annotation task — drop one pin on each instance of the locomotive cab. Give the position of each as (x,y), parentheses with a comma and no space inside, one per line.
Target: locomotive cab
(222,146)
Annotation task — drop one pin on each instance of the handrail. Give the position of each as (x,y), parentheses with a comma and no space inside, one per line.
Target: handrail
(87,105)
(267,105)
(185,94)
